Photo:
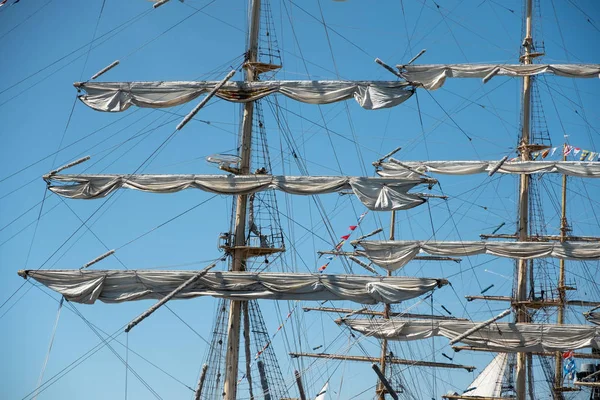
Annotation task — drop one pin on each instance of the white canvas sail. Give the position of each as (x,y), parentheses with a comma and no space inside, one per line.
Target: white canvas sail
(382,194)
(321,395)
(499,336)
(394,254)
(432,77)
(119,96)
(489,382)
(119,286)
(413,169)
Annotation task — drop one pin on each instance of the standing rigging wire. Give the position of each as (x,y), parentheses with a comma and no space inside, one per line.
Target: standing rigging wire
(446,119)
(25,20)
(92,41)
(452,119)
(301,163)
(317,200)
(56,377)
(60,304)
(580,102)
(107,36)
(111,348)
(55,153)
(169,29)
(148,160)
(84,222)
(44,195)
(37,223)
(91,134)
(13,191)
(41,289)
(89,218)
(350,124)
(68,146)
(140,167)
(41,210)
(589,19)
(25,212)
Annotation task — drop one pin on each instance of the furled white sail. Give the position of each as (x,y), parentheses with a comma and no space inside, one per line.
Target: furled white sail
(380,194)
(116,286)
(489,382)
(499,336)
(119,96)
(432,77)
(412,169)
(393,254)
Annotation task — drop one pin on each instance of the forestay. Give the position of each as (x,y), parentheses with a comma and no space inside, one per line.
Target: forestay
(392,254)
(119,96)
(433,77)
(119,286)
(413,169)
(380,194)
(505,337)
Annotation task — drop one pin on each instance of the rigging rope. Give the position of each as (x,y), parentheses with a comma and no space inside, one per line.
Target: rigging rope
(60,304)
(92,41)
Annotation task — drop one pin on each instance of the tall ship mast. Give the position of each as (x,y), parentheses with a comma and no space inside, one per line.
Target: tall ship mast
(388,318)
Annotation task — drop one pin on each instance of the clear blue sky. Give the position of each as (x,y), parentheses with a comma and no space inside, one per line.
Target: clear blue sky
(44,48)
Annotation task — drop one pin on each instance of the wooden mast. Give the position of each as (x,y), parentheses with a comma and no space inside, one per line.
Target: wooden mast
(521,292)
(560,319)
(239,255)
(381,390)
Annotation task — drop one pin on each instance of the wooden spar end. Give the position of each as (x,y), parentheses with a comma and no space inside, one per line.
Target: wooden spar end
(105,69)
(412,60)
(375,232)
(159,3)
(97,259)
(390,69)
(391,153)
(69,165)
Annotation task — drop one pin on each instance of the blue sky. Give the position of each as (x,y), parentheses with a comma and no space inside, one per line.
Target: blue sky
(44,48)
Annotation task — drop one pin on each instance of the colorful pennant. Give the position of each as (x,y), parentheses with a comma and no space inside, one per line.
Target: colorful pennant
(586,155)
(343,240)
